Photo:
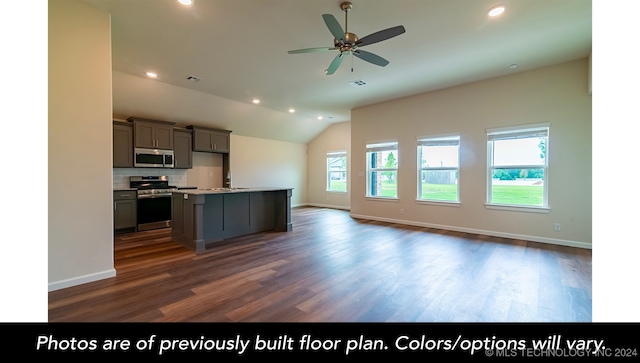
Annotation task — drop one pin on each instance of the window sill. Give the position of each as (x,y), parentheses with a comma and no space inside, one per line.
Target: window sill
(444,203)
(382,199)
(335,192)
(518,208)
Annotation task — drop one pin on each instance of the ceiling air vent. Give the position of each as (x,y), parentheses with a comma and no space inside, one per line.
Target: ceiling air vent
(358,83)
(193,78)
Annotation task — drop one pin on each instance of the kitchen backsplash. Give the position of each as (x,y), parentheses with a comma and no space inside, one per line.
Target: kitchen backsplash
(177,177)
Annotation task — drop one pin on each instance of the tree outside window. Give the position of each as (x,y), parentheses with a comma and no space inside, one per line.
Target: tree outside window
(382,170)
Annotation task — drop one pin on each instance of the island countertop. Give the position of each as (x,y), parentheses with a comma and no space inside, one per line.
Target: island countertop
(229,190)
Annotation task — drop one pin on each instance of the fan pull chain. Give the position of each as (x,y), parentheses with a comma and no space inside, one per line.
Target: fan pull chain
(351,62)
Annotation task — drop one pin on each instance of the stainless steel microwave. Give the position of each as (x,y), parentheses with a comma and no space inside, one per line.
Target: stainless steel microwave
(153,158)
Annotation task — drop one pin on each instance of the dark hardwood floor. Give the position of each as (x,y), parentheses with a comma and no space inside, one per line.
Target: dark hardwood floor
(332,268)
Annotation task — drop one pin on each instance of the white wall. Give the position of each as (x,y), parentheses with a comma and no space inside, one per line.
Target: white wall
(80,156)
(556,94)
(267,163)
(336,137)
(206,172)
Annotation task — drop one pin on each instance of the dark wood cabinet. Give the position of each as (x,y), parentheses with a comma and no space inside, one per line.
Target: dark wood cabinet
(201,219)
(210,140)
(122,145)
(182,149)
(124,211)
(152,134)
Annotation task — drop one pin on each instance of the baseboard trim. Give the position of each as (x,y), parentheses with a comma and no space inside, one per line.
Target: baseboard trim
(57,285)
(317,205)
(554,241)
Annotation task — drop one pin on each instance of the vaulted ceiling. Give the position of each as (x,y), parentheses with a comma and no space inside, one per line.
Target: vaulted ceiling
(238,50)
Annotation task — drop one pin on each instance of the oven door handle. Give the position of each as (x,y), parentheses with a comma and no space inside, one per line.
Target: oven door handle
(149,196)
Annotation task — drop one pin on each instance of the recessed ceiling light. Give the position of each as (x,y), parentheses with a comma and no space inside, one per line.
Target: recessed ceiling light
(513,65)
(256,101)
(319,117)
(292,110)
(186,2)
(152,75)
(496,10)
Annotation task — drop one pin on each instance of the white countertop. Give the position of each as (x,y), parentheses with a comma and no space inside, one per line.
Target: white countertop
(228,190)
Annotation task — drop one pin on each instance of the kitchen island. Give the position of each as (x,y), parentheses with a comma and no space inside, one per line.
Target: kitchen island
(202,217)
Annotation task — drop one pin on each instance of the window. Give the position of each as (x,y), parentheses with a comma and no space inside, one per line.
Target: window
(382,170)
(337,171)
(517,166)
(438,166)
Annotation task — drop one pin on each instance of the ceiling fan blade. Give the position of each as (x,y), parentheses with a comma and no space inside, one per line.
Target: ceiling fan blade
(335,64)
(310,50)
(370,57)
(334,27)
(380,36)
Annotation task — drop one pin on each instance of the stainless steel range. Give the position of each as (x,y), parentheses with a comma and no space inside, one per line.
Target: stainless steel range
(154,201)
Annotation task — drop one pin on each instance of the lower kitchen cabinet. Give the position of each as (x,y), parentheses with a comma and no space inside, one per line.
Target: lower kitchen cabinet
(124,211)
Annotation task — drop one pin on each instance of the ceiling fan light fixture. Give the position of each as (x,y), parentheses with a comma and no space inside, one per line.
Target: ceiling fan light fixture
(496,10)
(348,43)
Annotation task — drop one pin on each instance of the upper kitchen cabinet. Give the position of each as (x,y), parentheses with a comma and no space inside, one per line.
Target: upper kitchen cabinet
(122,145)
(210,140)
(152,134)
(182,149)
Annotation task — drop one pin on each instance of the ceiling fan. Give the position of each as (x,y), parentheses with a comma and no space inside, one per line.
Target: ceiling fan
(348,43)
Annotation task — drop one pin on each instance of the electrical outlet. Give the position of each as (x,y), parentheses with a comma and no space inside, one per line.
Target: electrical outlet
(401,211)
(557,227)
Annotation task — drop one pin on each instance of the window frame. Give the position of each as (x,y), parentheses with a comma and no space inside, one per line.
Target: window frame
(379,146)
(437,140)
(514,132)
(334,154)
